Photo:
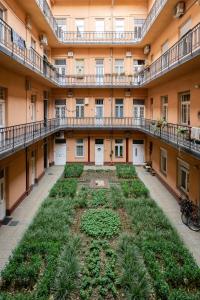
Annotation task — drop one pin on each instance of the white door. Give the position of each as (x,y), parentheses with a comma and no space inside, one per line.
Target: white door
(80,28)
(99,154)
(119,27)
(60,113)
(99,111)
(2,196)
(138,114)
(138,153)
(99,26)
(60,155)
(33,108)
(99,71)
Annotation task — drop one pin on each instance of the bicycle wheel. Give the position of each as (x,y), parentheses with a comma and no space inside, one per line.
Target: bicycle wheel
(184,218)
(194,223)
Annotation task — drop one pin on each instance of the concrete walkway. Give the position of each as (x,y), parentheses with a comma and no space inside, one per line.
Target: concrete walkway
(24,213)
(96,168)
(172,210)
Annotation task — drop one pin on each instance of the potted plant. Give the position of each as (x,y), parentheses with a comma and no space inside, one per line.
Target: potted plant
(161,123)
(182,130)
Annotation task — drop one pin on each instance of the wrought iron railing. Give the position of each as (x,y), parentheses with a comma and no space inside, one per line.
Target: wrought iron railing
(12,43)
(110,37)
(183,50)
(15,137)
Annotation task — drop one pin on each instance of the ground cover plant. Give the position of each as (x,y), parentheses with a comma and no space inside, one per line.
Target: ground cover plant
(101,244)
(64,188)
(125,171)
(73,170)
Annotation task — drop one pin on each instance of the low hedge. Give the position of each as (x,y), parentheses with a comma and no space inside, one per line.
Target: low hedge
(64,188)
(125,171)
(134,188)
(73,170)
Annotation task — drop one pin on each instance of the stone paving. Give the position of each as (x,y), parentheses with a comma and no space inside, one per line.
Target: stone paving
(104,168)
(24,213)
(172,210)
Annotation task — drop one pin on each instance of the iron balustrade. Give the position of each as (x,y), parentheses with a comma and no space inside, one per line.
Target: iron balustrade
(110,37)
(186,48)
(15,137)
(17,49)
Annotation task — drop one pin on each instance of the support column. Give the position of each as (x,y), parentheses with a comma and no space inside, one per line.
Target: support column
(127,152)
(88,149)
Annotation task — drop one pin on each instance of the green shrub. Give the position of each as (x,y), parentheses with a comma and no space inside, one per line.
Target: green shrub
(64,188)
(116,197)
(125,171)
(81,200)
(100,223)
(98,198)
(73,170)
(134,188)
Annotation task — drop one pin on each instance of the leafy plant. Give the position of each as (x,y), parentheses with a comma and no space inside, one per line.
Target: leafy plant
(73,170)
(134,188)
(100,223)
(116,197)
(125,171)
(98,198)
(64,188)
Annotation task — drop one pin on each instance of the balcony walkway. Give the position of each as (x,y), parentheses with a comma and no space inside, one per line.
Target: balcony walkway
(11,235)
(171,208)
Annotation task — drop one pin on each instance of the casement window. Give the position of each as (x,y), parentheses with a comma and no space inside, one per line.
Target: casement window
(60,65)
(185,108)
(163,161)
(119,66)
(79,108)
(80,148)
(99,27)
(164,107)
(62,27)
(185,45)
(138,65)
(2,106)
(79,66)
(80,27)
(183,176)
(119,148)
(119,108)
(60,108)
(137,28)
(138,109)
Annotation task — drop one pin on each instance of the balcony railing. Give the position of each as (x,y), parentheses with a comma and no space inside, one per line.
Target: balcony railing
(16,137)
(13,45)
(105,37)
(186,48)
(107,80)
(19,136)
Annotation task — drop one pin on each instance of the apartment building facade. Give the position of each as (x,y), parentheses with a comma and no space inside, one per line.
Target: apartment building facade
(98,82)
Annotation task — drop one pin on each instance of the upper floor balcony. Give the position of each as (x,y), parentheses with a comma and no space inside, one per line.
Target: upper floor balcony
(14,138)
(99,37)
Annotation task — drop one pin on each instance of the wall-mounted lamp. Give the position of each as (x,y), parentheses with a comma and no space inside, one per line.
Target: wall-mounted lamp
(197,86)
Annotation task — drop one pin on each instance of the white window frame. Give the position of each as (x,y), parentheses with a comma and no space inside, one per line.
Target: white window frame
(119,66)
(62,27)
(80,28)
(183,167)
(119,148)
(163,155)
(80,66)
(61,69)
(80,104)
(119,108)
(137,28)
(79,143)
(184,108)
(164,107)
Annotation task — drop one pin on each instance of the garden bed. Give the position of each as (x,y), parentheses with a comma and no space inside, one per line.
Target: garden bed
(107,244)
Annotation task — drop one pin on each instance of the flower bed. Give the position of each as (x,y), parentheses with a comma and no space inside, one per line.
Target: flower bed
(73,170)
(125,171)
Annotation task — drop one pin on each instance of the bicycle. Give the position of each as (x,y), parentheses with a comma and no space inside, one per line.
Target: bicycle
(190,213)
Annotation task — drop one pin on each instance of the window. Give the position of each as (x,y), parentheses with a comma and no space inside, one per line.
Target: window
(119,66)
(80,108)
(99,26)
(119,27)
(163,161)
(119,108)
(165,54)
(119,148)
(185,108)
(185,45)
(79,66)
(164,107)
(62,27)
(79,148)
(138,66)
(183,176)
(2,106)
(79,27)
(138,23)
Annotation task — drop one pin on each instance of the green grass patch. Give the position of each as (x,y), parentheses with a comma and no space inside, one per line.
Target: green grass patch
(64,188)
(73,170)
(174,273)
(125,171)
(134,188)
(102,223)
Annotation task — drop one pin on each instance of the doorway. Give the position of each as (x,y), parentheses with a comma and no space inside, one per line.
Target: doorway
(138,152)
(2,196)
(60,154)
(46,160)
(99,152)
(33,167)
